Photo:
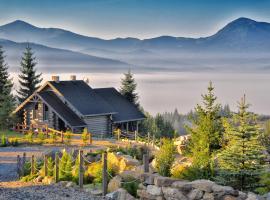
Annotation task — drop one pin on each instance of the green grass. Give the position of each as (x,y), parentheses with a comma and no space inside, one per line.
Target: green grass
(11,134)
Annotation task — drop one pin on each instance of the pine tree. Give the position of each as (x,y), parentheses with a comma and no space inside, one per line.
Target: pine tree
(128,88)
(242,160)
(6,97)
(206,134)
(28,79)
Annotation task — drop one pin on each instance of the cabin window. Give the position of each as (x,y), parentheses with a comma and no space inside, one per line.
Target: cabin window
(46,113)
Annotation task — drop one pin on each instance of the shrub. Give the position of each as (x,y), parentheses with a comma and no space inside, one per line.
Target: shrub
(95,171)
(265,183)
(85,136)
(30,136)
(41,137)
(65,167)
(53,137)
(50,166)
(3,141)
(179,171)
(13,142)
(131,185)
(165,157)
(67,137)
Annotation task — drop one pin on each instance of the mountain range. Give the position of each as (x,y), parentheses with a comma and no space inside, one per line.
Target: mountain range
(241,43)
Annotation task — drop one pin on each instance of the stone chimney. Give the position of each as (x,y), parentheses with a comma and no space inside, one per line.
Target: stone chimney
(73,77)
(55,79)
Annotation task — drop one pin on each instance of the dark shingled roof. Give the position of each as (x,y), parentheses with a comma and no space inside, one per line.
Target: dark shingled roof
(126,111)
(83,97)
(63,110)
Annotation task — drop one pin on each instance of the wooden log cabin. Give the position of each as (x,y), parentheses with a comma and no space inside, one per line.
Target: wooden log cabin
(74,105)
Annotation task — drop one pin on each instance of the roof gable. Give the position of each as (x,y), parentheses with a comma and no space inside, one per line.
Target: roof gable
(83,97)
(126,111)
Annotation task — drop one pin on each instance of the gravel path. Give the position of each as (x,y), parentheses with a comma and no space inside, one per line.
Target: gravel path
(11,189)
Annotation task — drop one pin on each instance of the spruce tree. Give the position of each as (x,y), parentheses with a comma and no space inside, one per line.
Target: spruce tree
(29,79)
(242,160)
(6,97)
(128,88)
(206,134)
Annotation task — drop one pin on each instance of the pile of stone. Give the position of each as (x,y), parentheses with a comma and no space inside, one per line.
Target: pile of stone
(163,188)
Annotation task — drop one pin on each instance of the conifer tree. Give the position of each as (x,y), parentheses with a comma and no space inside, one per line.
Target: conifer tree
(206,134)
(128,88)
(6,97)
(242,160)
(29,79)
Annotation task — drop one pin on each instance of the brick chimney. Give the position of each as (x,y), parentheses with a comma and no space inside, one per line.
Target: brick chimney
(73,77)
(55,79)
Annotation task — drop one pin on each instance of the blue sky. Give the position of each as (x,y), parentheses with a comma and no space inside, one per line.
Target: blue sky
(134,18)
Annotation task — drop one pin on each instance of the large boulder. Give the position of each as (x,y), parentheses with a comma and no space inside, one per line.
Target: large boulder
(115,183)
(120,194)
(163,181)
(173,193)
(195,194)
(154,190)
(128,163)
(203,185)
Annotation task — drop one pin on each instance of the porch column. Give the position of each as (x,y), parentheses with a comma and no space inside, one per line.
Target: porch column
(137,126)
(127,127)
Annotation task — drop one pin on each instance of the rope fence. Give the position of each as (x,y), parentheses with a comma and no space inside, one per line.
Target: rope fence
(55,169)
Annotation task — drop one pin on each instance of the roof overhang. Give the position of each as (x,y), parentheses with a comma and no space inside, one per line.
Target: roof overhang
(130,120)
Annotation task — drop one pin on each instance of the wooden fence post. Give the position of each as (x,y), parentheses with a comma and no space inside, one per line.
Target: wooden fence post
(46,165)
(19,165)
(90,138)
(145,163)
(81,168)
(104,174)
(32,165)
(23,163)
(47,131)
(56,167)
(62,136)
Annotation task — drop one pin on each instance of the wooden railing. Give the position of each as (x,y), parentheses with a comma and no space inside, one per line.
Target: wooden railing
(22,128)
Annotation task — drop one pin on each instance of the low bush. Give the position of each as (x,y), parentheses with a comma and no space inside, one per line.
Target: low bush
(85,136)
(165,157)
(13,142)
(53,138)
(29,136)
(67,137)
(131,185)
(41,137)
(4,141)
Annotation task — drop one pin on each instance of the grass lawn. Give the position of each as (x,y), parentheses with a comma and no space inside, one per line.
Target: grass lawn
(11,134)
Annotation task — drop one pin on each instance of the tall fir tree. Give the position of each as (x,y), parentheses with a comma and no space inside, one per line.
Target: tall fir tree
(206,134)
(128,88)
(6,97)
(29,79)
(242,160)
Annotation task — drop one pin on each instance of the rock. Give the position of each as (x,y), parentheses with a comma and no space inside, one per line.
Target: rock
(173,193)
(120,194)
(130,174)
(62,183)
(208,196)
(163,181)
(229,197)
(127,163)
(267,196)
(242,195)
(70,184)
(224,190)
(184,186)
(143,194)
(148,178)
(96,192)
(142,186)
(195,194)
(48,180)
(203,185)
(154,190)
(252,196)
(115,183)
(39,179)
